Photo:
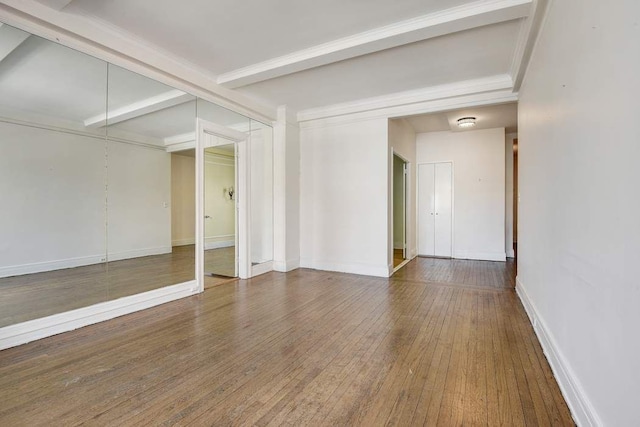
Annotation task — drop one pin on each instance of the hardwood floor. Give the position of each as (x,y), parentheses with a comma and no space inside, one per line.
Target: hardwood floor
(32,296)
(220,261)
(398,257)
(441,343)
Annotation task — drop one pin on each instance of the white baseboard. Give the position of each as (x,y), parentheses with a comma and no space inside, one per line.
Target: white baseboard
(261,268)
(481,256)
(22,333)
(511,253)
(208,245)
(579,404)
(137,253)
(286,266)
(183,242)
(39,267)
(353,268)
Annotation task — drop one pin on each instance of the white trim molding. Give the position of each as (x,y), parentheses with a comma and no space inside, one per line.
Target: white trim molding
(352,268)
(61,264)
(140,108)
(526,41)
(218,242)
(184,242)
(102,40)
(11,39)
(459,18)
(286,266)
(583,412)
(22,333)
(262,268)
(482,256)
(488,90)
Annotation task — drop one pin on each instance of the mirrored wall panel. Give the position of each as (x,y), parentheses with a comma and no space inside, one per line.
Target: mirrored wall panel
(53,236)
(98,182)
(221,192)
(144,120)
(261,175)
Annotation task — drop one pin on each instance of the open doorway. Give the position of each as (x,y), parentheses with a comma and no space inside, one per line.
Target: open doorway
(399,211)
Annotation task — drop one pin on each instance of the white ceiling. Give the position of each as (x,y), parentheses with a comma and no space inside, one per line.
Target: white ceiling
(301,53)
(308,54)
(494,116)
(461,56)
(76,89)
(222,35)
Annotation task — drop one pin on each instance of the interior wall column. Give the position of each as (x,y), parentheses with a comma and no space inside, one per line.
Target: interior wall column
(286,192)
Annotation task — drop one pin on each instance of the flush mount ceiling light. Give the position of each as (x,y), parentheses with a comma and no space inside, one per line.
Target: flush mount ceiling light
(467,122)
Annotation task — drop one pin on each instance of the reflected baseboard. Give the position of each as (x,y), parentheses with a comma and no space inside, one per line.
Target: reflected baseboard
(22,333)
(41,267)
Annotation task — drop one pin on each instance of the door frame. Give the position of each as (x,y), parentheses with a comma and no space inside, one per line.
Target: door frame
(405,210)
(405,175)
(453,204)
(240,140)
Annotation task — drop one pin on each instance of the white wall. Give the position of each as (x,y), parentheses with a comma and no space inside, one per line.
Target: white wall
(508,195)
(293,197)
(219,175)
(579,228)
(286,192)
(52,200)
(478,187)
(261,176)
(138,200)
(183,199)
(52,192)
(402,141)
(344,194)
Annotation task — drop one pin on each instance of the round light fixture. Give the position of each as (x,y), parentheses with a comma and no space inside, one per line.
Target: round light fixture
(467,122)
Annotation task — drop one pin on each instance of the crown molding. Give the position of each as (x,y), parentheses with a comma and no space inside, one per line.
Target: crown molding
(426,107)
(526,41)
(10,39)
(55,4)
(468,87)
(140,108)
(123,49)
(456,19)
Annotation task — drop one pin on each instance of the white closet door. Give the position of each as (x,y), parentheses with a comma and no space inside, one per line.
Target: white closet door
(443,201)
(426,210)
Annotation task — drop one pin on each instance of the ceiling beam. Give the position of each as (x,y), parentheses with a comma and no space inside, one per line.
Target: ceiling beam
(125,50)
(449,21)
(140,108)
(55,4)
(526,41)
(10,39)
(491,84)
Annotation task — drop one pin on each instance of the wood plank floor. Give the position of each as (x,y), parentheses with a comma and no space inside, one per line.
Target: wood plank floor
(302,348)
(398,257)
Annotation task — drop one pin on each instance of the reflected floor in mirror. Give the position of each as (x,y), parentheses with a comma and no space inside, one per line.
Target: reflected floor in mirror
(33,296)
(220,262)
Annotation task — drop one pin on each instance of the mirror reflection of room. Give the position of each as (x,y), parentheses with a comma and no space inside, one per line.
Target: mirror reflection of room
(220,226)
(90,190)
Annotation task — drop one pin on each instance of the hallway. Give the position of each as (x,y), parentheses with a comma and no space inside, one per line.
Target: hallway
(443,342)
